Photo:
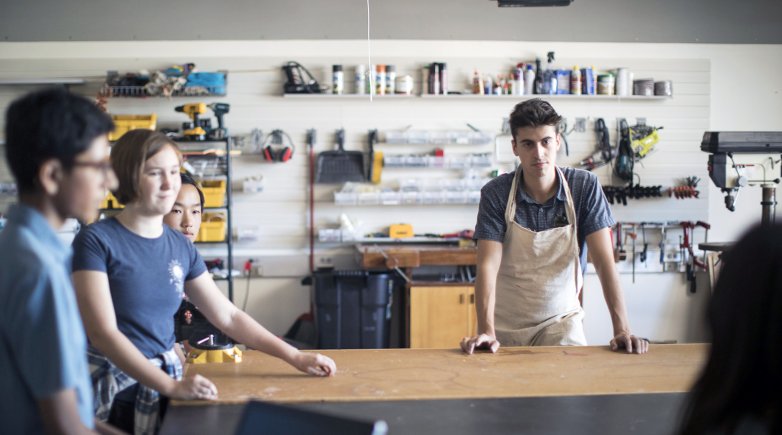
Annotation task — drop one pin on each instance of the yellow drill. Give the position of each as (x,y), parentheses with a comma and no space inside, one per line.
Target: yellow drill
(193,130)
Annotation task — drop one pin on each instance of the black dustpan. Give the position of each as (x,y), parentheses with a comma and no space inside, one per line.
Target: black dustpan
(340,166)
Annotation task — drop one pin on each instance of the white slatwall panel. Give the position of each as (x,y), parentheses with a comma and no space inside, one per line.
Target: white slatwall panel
(280,211)
(254,88)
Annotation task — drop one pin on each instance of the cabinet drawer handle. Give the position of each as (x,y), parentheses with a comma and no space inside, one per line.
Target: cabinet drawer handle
(472,299)
(461,299)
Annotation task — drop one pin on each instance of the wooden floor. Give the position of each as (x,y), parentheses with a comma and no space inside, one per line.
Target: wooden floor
(414,374)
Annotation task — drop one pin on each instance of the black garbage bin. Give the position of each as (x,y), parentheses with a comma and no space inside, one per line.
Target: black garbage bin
(352,309)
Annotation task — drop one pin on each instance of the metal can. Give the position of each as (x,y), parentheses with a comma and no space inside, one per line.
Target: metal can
(404,85)
(605,84)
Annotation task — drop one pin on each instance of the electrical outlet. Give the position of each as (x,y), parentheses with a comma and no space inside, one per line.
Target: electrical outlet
(258,268)
(325,261)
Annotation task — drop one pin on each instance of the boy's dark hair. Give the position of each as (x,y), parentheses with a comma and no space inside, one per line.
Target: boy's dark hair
(129,155)
(49,124)
(533,113)
(187,179)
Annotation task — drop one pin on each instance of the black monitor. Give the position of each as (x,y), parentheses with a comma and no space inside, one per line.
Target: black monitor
(270,418)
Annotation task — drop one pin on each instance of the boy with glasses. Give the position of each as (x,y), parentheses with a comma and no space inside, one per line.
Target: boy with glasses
(58,151)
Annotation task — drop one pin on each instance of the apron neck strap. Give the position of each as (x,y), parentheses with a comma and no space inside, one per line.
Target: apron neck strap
(510,209)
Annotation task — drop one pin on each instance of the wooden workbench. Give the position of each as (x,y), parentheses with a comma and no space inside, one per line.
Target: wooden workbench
(415,374)
(410,256)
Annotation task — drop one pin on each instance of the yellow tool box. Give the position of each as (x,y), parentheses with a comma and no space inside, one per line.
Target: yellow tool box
(400,231)
(125,123)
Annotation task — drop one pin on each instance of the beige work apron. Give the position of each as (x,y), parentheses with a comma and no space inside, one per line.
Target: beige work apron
(539,281)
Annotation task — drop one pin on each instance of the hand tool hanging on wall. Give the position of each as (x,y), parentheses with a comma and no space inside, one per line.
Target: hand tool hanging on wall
(646,245)
(619,251)
(562,130)
(604,153)
(623,165)
(686,190)
(644,138)
(375,158)
(633,235)
(340,166)
(687,250)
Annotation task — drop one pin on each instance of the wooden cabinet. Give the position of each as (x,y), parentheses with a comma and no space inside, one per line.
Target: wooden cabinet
(440,315)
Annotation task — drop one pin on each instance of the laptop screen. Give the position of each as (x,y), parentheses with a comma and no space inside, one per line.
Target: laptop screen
(270,418)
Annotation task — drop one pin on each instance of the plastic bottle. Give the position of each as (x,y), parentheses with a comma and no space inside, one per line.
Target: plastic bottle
(518,76)
(563,81)
(538,87)
(477,83)
(575,81)
(529,80)
(549,75)
(443,78)
(487,86)
(425,80)
(390,79)
(337,80)
(361,79)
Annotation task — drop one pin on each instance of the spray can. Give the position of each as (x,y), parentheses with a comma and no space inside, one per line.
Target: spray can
(390,79)
(337,80)
(434,78)
(380,80)
(361,79)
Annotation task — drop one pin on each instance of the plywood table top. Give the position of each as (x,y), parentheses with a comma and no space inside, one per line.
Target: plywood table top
(414,374)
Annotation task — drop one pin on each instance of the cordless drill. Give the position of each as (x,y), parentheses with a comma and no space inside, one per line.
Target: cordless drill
(219,110)
(193,130)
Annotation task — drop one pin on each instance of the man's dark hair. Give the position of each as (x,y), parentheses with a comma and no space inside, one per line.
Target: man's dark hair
(741,379)
(533,113)
(49,124)
(187,179)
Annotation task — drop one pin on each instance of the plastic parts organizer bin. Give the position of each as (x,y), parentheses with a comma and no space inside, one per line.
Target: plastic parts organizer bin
(214,192)
(352,309)
(125,123)
(212,228)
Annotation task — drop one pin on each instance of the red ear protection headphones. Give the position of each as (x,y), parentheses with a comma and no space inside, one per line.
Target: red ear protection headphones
(277,147)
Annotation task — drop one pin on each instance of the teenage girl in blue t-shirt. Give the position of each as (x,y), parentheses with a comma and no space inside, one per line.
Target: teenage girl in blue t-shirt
(129,273)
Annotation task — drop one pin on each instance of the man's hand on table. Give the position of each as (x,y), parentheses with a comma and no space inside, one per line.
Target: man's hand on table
(314,364)
(630,343)
(482,341)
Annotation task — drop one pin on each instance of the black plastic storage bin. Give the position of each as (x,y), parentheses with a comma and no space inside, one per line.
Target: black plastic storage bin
(352,309)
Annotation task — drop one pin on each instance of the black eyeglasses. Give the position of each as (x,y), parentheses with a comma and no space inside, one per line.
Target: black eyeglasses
(104,167)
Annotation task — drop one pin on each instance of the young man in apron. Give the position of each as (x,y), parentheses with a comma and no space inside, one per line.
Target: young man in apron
(534,228)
